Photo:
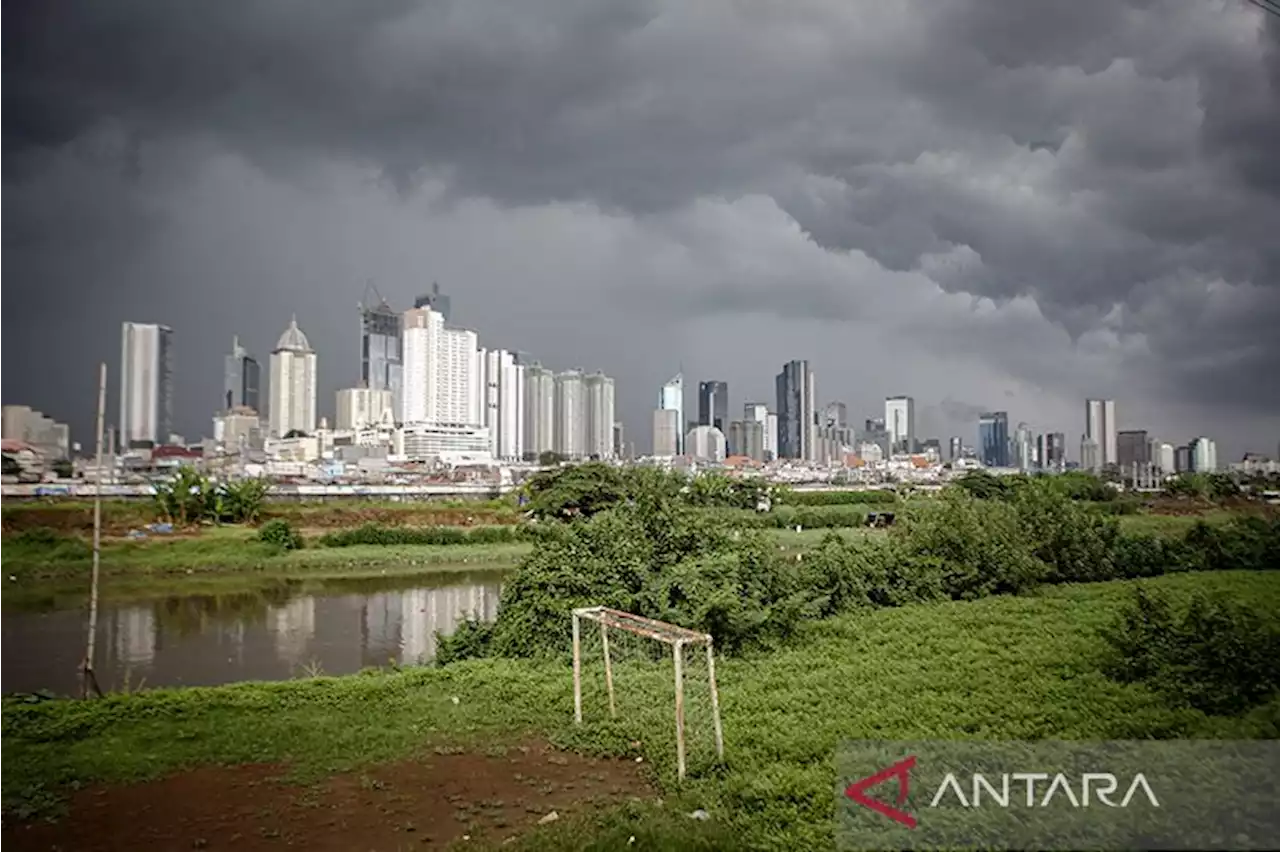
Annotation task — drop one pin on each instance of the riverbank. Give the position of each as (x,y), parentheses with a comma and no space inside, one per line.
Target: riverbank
(996,668)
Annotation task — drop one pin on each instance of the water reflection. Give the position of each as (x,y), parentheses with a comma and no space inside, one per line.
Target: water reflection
(274,630)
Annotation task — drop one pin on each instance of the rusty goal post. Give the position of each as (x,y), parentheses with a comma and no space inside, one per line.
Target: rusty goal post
(677,637)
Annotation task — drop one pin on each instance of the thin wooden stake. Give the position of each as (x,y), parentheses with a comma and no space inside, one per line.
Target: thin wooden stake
(715,699)
(608,667)
(88,678)
(677,652)
(577,669)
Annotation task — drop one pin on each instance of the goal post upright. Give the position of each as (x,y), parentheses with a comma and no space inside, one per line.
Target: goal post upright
(675,636)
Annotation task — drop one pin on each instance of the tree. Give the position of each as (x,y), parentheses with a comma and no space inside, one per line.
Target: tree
(295,433)
(547,458)
(64,469)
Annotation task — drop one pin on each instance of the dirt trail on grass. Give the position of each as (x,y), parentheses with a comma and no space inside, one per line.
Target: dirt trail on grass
(421,804)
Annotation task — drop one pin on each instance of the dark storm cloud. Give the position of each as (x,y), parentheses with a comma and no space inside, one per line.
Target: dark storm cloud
(1110,160)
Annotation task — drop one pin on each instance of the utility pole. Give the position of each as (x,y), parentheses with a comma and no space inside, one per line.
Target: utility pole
(88,678)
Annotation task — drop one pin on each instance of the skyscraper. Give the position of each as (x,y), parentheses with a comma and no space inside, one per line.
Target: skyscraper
(571,415)
(382,351)
(993,438)
(796,389)
(293,384)
(436,301)
(666,432)
(900,421)
(1132,447)
(503,389)
(1100,427)
(442,372)
(1204,455)
(599,411)
(146,384)
(760,413)
(713,405)
(1023,447)
(1051,451)
(671,398)
(539,410)
(240,379)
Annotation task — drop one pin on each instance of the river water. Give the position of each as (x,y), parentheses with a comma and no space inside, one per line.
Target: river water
(272,630)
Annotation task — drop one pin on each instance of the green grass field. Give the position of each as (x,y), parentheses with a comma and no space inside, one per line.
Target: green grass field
(996,668)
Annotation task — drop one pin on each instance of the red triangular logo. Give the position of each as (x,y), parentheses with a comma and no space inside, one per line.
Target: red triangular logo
(902,771)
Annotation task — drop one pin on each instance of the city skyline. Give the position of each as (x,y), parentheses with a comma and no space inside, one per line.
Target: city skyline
(1014,217)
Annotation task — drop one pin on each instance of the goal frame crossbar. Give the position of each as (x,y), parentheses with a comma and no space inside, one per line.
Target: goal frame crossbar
(675,636)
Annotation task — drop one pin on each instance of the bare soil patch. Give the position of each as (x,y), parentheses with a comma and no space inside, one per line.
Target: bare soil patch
(426,803)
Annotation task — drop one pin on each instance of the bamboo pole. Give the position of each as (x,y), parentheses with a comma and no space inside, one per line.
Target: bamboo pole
(87,676)
(715,699)
(608,667)
(677,653)
(577,668)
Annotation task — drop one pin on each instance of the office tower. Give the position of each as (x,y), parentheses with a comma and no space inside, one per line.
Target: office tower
(600,422)
(293,384)
(1023,455)
(993,438)
(955,448)
(713,404)
(671,398)
(436,301)
(666,432)
(1100,427)
(1132,447)
(1163,456)
(382,350)
(1090,454)
(796,389)
(900,420)
(363,408)
(1182,459)
(706,443)
(759,412)
(1051,451)
(1203,455)
(539,410)
(836,414)
(241,379)
(571,415)
(146,384)
(504,399)
(619,441)
(442,372)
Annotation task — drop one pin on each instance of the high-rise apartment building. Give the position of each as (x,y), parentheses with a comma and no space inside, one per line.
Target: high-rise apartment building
(1100,427)
(713,405)
(1204,455)
(900,421)
(835,415)
(362,408)
(619,441)
(1133,446)
(746,438)
(539,410)
(666,432)
(571,415)
(600,414)
(1051,451)
(442,372)
(955,448)
(503,404)
(706,443)
(797,415)
(241,379)
(671,398)
(1163,456)
(146,384)
(993,438)
(293,384)
(382,351)
(436,301)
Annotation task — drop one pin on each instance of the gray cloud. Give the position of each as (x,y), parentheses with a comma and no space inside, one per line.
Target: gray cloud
(1069,197)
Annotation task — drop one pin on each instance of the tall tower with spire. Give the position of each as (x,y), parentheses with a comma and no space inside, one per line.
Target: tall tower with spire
(293,384)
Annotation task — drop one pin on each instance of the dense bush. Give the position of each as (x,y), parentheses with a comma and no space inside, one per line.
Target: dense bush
(583,490)
(431,535)
(1073,485)
(791,497)
(1216,655)
(280,533)
(189,497)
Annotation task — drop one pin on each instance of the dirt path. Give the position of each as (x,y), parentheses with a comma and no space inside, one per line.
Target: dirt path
(421,804)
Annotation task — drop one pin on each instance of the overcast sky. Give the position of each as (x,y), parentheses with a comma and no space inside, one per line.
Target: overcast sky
(986,204)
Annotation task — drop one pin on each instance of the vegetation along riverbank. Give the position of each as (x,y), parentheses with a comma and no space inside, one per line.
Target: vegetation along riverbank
(1022,614)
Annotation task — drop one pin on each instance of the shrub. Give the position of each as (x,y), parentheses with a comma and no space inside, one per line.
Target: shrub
(1216,655)
(430,535)
(1074,541)
(838,498)
(280,533)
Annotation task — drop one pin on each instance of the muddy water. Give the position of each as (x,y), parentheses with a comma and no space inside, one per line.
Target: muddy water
(273,630)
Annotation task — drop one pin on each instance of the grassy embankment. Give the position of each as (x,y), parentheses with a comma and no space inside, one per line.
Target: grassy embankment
(996,668)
